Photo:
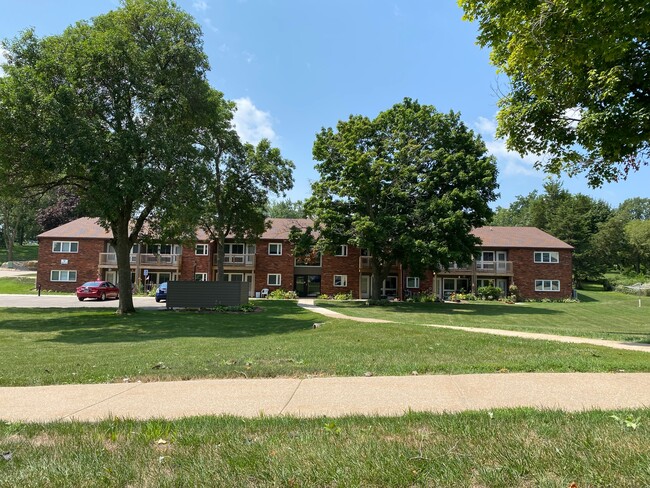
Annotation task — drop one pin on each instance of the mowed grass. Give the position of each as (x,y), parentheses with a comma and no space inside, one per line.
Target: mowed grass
(18,285)
(28,252)
(502,448)
(602,315)
(85,345)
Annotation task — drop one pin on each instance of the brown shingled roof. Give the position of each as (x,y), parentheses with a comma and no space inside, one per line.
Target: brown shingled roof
(83,228)
(280,228)
(522,237)
(498,237)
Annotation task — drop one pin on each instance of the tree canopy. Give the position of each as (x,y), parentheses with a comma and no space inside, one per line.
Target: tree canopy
(112,108)
(286,209)
(408,186)
(580,83)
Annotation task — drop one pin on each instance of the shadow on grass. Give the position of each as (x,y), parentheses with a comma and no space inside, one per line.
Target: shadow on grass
(85,326)
(494,309)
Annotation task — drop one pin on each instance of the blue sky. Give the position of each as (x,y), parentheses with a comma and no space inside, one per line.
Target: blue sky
(294,66)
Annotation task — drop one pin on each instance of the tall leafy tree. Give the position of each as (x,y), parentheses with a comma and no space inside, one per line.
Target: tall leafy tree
(239,179)
(638,236)
(580,83)
(286,209)
(110,108)
(634,209)
(407,186)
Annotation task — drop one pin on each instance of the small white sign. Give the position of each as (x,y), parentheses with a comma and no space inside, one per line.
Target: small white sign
(145,272)
(64,261)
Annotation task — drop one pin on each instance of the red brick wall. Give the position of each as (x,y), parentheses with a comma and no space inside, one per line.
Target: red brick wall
(341,265)
(526,271)
(265,264)
(85,262)
(189,258)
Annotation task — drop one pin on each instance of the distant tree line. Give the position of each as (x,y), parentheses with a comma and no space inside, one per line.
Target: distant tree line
(604,238)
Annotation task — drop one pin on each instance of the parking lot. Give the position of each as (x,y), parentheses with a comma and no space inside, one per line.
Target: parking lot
(71,301)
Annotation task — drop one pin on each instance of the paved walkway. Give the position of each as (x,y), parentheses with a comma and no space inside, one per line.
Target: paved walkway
(387,395)
(309,304)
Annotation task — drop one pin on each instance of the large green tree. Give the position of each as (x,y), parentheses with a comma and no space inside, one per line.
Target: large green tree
(236,192)
(286,209)
(580,83)
(111,107)
(638,236)
(408,186)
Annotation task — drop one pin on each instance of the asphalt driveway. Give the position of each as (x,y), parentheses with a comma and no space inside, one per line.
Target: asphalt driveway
(71,301)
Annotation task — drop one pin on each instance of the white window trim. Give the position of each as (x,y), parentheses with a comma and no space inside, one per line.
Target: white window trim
(202,246)
(68,271)
(344,251)
(54,243)
(343,280)
(416,282)
(279,244)
(204,276)
(550,256)
(539,286)
(279,279)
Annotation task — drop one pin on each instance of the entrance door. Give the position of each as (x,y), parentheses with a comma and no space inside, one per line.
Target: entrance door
(111,276)
(503,284)
(307,285)
(365,286)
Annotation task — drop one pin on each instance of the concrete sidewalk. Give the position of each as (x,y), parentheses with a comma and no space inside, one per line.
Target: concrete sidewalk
(326,396)
(309,304)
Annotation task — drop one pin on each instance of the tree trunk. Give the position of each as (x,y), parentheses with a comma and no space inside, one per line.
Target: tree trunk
(122,252)
(379,274)
(9,232)
(221,257)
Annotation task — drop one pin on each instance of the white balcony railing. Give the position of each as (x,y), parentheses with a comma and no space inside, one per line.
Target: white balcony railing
(163,260)
(247,260)
(481,267)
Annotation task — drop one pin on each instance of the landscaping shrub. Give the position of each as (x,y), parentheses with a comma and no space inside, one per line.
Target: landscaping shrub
(281,294)
(489,292)
(343,296)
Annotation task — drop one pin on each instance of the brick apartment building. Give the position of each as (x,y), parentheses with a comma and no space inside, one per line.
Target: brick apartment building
(538,263)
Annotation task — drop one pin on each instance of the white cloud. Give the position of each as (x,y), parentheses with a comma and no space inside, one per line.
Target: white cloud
(510,162)
(200,5)
(208,21)
(251,123)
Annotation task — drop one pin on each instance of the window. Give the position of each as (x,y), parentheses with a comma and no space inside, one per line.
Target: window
(412,282)
(547,257)
(340,280)
(234,248)
(547,285)
(341,251)
(201,250)
(275,249)
(200,276)
(65,246)
(274,279)
(63,275)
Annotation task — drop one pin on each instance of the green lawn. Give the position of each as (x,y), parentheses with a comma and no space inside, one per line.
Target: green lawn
(502,448)
(27,252)
(18,285)
(53,346)
(603,315)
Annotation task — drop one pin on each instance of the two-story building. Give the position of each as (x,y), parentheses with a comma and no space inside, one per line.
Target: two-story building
(539,264)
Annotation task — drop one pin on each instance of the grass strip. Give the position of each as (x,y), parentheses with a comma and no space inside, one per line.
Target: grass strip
(499,448)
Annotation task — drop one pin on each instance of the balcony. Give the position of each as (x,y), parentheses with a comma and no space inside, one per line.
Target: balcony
(502,268)
(168,261)
(236,261)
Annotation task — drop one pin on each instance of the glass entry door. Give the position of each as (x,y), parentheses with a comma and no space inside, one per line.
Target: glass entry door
(307,285)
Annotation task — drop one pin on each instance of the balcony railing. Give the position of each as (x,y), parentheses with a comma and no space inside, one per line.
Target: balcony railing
(481,268)
(152,260)
(236,260)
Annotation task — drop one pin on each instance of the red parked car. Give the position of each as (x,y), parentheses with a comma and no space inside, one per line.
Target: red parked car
(101,290)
